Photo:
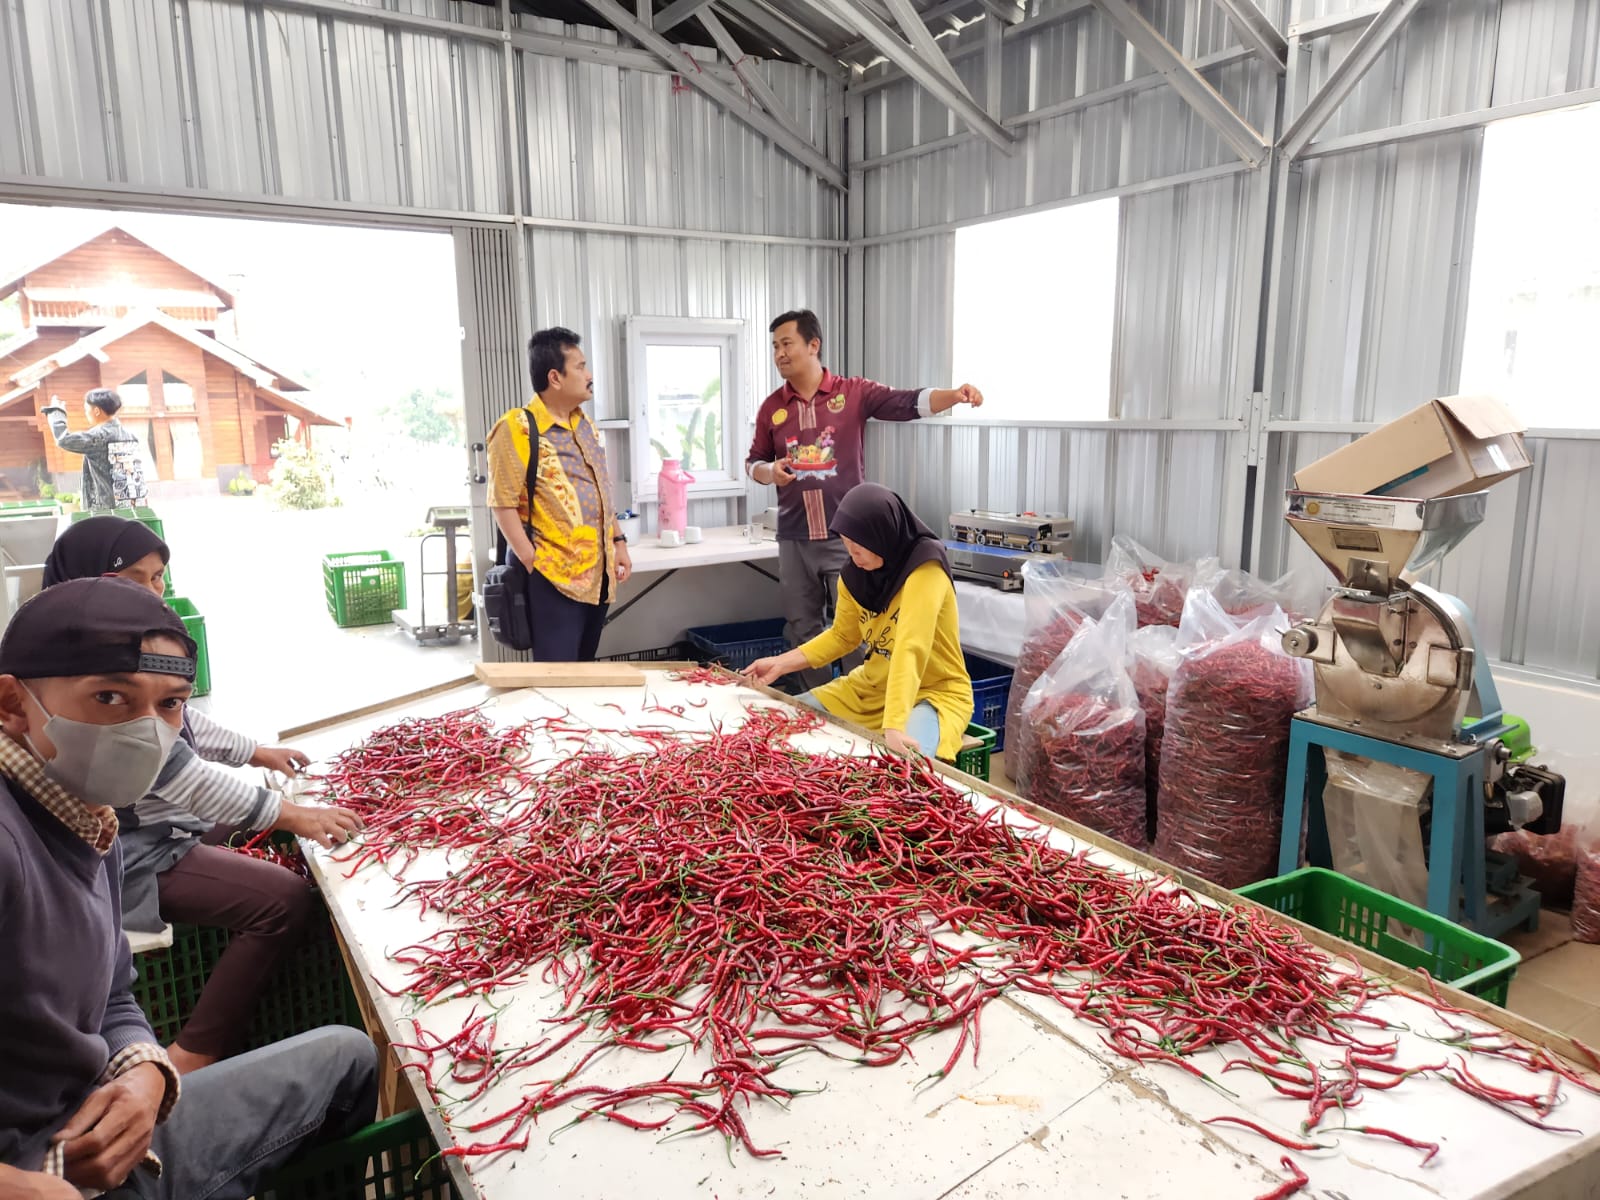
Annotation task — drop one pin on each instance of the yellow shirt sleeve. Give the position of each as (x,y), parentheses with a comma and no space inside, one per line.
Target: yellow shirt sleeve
(921,597)
(508,474)
(833,644)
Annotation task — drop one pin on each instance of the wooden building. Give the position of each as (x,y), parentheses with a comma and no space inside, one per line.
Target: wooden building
(115,312)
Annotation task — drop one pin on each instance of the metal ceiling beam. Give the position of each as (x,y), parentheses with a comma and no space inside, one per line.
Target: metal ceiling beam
(786,35)
(1186,81)
(731,101)
(677,13)
(923,41)
(930,17)
(1002,10)
(1369,45)
(752,78)
(1258,32)
(928,76)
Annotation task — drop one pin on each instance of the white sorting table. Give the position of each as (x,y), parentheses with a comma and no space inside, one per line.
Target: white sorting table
(1048,1111)
(720,546)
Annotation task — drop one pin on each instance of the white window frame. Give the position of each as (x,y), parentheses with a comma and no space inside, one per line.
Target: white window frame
(732,339)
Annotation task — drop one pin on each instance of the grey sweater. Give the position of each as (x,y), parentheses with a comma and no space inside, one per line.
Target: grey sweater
(99,475)
(65,1007)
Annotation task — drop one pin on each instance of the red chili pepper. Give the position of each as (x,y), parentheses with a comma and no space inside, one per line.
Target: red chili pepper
(1298,1180)
(1288,1143)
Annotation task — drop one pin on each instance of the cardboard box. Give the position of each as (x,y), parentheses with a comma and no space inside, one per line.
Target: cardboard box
(1445,447)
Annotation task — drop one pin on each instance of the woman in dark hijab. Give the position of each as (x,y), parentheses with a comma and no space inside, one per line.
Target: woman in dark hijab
(898,603)
(108,546)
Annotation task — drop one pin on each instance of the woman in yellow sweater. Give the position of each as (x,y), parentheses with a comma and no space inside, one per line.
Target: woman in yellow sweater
(897,602)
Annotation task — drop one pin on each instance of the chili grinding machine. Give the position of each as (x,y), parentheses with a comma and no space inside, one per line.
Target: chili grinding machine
(1402,680)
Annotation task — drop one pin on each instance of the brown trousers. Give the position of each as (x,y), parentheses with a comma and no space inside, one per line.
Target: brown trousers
(264,906)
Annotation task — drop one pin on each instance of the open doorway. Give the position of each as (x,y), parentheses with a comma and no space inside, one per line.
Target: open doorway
(295,392)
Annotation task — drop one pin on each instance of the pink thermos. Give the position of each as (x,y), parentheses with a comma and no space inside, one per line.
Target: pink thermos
(672,489)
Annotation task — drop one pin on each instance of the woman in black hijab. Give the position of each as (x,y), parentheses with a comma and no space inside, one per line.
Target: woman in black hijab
(897,601)
(108,546)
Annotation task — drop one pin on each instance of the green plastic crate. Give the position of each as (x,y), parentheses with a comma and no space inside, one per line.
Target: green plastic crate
(196,625)
(28,508)
(363,587)
(383,1161)
(310,988)
(145,515)
(1339,905)
(975,760)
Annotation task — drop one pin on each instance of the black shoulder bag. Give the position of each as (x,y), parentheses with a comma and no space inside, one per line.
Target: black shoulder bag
(505,585)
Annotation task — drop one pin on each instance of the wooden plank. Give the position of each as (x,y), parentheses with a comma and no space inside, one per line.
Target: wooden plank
(519,675)
(367,710)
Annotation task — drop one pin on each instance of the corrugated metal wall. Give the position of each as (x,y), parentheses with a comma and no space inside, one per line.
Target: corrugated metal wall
(181,102)
(1368,318)
(200,99)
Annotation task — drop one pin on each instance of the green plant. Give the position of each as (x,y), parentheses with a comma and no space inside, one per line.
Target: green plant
(435,419)
(241,485)
(66,498)
(46,489)
(299,478)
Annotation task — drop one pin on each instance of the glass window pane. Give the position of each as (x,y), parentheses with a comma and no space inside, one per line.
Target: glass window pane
(1053,275)
(684,393)
(1533,302)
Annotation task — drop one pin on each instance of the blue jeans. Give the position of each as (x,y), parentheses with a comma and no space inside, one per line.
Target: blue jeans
(923,724)
(246,1116)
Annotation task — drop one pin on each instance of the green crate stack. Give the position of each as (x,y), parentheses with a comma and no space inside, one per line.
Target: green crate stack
(195,623)
(310,989)
(1339,905)
(384,1161)
(363,587)
(975,759)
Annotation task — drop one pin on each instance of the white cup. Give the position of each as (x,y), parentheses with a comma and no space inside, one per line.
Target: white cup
(692,535)
(669,537)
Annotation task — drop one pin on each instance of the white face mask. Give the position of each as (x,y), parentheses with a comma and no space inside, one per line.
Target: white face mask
(106,764)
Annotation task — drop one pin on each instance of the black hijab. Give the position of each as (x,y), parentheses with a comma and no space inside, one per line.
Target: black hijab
(873,516)
(100,546)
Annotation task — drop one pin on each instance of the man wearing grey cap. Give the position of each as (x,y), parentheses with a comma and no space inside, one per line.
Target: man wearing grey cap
(94,674)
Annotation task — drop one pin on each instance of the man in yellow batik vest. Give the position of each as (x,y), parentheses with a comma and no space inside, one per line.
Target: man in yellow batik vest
(565,534)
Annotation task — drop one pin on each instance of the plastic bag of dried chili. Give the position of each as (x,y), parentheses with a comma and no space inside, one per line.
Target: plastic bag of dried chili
(1056,598)
(1086,749)
(1159,587)
(1550,861)
(1299,593)
(1153,657)
(1586,889)
(1225,750)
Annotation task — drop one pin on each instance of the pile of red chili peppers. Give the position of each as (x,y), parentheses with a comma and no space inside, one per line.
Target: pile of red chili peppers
(267,847)
(735,897)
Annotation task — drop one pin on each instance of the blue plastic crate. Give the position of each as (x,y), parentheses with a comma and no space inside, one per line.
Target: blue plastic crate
(991,688)
(738,645)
